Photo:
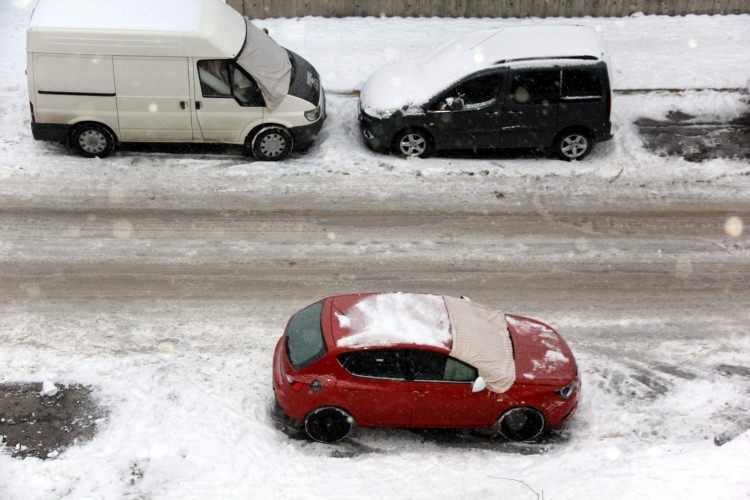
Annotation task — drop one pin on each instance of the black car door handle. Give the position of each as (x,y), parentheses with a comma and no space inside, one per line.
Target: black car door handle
(493,113)
(182,105)
(197,105)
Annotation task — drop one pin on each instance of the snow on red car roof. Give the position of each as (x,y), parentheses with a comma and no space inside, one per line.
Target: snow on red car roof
(389,319)
(466,331)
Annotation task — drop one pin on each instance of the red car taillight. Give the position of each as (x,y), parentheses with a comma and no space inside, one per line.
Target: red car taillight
(296,384)
(31,107)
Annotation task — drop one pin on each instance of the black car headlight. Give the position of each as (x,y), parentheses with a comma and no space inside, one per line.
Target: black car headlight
(567,390)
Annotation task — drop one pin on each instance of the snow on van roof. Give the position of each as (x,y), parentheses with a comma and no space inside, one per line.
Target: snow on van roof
(395,318)
(204,28)
(414,83)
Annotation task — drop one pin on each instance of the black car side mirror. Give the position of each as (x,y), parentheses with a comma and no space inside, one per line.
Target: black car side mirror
(454,103)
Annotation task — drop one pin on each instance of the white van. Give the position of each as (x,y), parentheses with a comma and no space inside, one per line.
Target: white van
(101,73)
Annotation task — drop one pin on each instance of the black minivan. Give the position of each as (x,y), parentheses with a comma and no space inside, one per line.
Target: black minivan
(560,99)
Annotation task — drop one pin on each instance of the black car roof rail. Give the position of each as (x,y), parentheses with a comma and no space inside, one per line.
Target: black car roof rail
(519,59)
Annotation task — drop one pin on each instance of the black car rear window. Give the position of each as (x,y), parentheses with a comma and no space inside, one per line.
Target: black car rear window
(581,83)
(304,337)
(376,364)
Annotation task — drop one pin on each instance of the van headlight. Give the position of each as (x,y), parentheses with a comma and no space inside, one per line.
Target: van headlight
(313,114)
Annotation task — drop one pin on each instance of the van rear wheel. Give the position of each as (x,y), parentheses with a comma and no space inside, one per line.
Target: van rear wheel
(272,144)
(92,140)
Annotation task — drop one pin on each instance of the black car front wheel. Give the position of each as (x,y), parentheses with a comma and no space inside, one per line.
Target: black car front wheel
(413,143)
(328,424)
(573,145)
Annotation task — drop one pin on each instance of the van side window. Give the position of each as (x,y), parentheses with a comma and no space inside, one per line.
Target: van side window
(581,84)
(214,77)
(535,86)
(221,78)
(246,90)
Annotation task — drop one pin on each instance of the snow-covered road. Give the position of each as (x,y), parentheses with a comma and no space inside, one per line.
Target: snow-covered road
(164,278)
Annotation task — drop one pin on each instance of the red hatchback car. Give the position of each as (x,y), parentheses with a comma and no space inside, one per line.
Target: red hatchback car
(423,361)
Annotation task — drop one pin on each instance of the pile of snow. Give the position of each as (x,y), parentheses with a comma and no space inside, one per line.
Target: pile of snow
(49,389)
(396,318)
(413,83)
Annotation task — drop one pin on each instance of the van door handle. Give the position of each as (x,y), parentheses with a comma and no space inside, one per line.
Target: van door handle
(197,105)
(182,105)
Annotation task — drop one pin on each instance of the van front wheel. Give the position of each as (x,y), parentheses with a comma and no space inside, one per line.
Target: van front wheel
(92,140)
(272,144)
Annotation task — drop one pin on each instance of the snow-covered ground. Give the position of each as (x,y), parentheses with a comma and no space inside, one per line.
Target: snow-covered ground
(187,383)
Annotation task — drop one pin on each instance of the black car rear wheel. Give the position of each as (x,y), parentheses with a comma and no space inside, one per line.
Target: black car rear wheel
(521,424)
(573,145)
(328,424)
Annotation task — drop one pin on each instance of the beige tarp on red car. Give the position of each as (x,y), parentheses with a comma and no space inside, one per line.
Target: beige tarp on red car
(481,339)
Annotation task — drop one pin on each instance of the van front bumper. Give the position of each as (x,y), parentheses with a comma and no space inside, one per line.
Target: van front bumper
(305,135)
(50,132)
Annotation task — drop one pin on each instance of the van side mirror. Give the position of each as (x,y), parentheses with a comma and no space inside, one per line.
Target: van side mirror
(479,385)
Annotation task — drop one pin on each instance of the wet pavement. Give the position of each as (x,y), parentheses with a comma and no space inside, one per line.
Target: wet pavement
(696,139)
(34,425)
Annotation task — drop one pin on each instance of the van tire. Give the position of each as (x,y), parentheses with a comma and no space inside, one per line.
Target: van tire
(413,142)
(92,140)
(272,144)
(573,144)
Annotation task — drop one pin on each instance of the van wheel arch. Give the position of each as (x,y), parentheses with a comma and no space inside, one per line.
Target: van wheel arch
(95,130)
(568,132)
(252,148)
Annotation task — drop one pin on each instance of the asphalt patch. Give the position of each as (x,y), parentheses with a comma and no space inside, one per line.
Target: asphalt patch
(33,425)
(696,139)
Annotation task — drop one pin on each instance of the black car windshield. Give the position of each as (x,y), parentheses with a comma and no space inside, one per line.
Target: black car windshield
(304,343)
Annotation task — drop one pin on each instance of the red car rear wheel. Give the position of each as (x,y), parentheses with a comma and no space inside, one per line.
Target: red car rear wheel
(328,424)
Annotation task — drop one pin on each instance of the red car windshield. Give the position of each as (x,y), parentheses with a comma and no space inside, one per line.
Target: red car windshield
(304,342)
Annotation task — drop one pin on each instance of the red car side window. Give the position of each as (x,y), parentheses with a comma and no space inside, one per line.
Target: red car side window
(385,363)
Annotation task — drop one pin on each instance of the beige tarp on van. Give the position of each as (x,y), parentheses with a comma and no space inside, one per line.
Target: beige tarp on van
(268,64)
(481,339)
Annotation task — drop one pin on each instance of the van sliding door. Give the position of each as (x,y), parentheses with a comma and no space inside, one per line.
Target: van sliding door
(153,99)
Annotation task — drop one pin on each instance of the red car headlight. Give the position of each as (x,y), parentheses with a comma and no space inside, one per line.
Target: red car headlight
(567,390)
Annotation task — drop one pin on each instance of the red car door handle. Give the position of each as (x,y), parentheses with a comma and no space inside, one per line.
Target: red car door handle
(418,394)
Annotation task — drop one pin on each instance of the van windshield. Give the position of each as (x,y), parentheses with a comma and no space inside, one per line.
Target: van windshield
(267,63)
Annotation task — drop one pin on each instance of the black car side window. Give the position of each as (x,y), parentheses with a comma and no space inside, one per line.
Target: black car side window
(475,93)
(581,84)
(386,363)
(535,86)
